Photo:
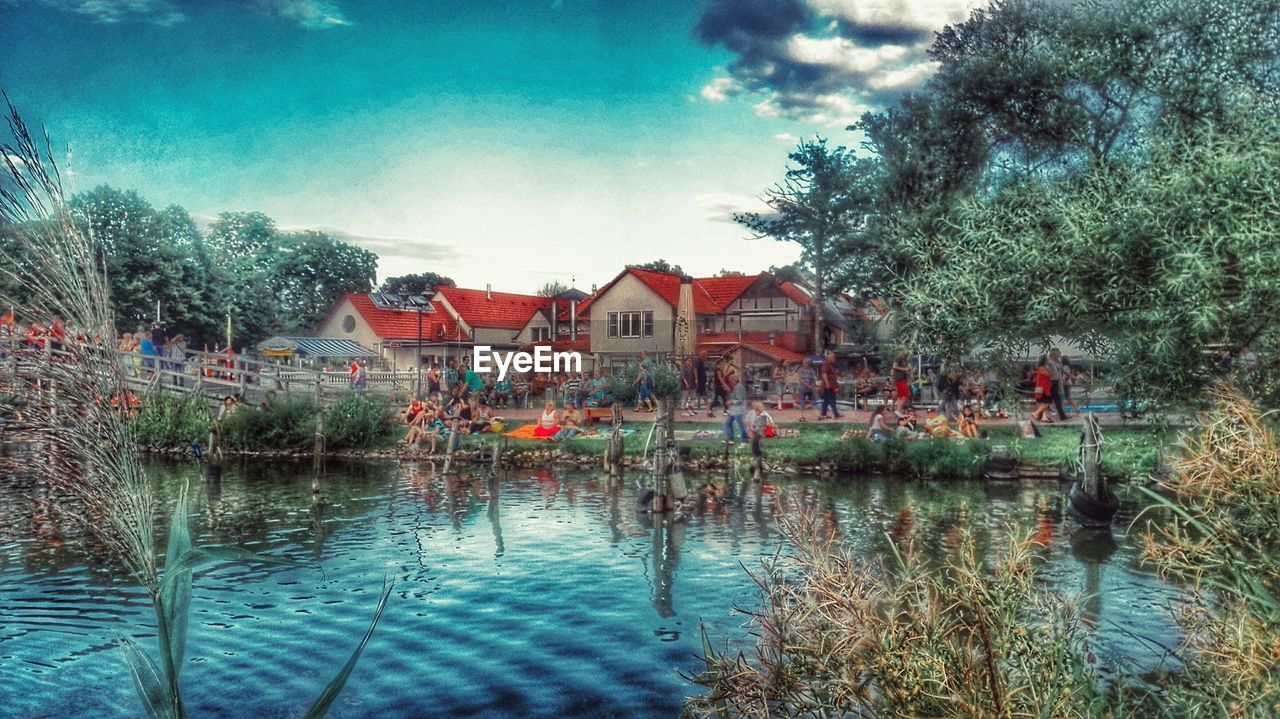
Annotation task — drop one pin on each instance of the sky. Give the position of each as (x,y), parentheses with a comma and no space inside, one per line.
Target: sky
(503,143)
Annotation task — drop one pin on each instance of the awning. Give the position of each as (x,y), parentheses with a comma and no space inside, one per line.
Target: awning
(312,347)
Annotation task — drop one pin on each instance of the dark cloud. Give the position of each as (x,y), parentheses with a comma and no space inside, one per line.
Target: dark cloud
(825,61)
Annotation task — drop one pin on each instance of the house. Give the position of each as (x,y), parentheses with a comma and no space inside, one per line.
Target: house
(636,312)
(398,329)
(502,320)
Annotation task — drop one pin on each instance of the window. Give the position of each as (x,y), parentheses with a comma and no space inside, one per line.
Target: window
(348,323)
(630,325)
(541,333)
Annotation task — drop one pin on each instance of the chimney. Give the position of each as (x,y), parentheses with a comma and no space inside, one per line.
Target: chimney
(488,291)
(573,320)
(555,322)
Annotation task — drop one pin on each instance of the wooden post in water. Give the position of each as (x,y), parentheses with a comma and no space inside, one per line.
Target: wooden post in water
(613,452)
(1090,458)
(317,452)
(453,441)
(662,457)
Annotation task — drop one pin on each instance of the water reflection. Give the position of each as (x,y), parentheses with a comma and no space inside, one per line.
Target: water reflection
(533,594)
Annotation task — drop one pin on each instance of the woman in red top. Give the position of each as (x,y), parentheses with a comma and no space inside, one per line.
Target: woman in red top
(1044,391)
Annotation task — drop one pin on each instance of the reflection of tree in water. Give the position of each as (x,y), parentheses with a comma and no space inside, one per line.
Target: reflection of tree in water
(667,538)
(1092,548)
(495,521)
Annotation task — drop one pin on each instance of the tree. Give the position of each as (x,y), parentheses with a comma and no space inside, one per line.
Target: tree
(310,272)
(788,273)
(422,283)
(823,205)
(552,288)
(1152,263)
(730,273)
(660,266)
(242,244)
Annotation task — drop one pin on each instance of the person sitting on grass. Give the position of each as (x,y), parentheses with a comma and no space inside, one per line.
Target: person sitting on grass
(937,426)
(412,410)
(968,422)
(877,429)
(482,416)
(549,422)
(570,424)
(906,430)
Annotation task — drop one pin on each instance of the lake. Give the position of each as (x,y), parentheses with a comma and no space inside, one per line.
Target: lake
(535,594)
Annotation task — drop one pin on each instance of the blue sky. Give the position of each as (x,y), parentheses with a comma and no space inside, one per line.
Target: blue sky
(505,143)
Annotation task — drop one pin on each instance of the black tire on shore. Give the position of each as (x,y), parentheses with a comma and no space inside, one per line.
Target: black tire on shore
(1089,511)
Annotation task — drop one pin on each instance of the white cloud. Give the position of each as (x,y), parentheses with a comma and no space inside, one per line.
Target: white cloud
(310,14)
(922,15)
(786,137)
(720,89)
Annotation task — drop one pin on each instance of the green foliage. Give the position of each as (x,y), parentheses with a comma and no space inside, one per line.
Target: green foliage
(358,421)
(423,283)
(286,425)
(622,383)
(1153,263)
(169,419)
(309,272)
(822,205)
(659,266)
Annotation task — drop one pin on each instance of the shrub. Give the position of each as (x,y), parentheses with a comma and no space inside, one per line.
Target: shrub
(287,424)
(170,419)
(358,421)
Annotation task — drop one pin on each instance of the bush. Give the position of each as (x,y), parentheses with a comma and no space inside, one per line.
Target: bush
(666,382)
(358,421)
(170,419)
(287,424)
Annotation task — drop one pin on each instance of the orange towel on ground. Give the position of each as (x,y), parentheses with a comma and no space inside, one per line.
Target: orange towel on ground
(525,432)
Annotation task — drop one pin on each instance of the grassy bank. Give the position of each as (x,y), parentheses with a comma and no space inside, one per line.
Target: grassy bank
(365,423)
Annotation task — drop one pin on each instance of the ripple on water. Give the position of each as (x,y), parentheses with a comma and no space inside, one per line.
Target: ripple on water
(526,598)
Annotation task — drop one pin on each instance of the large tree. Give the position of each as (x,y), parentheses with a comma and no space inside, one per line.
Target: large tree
(824,204)
(1152,263)
(422,283)
(310,271)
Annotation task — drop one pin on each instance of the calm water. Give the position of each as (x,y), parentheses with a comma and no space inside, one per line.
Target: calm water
(536,595)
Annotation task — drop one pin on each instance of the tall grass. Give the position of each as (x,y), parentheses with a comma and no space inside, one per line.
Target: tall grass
(1225,495)
(842,635)
(85,448)
(171,419)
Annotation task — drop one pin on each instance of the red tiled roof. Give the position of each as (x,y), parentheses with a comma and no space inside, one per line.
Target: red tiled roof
(710,294)
(724,290)
(403,324)
(504,310)
(797,295)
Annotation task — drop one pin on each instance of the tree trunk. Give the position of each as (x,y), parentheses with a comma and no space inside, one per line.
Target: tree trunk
(819,270)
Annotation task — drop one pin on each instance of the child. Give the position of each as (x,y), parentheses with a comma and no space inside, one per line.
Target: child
(759,422)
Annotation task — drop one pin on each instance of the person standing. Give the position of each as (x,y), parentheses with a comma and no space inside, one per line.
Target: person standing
(1042,378)
(688,386)
(778,380)
(362,376)
(830,385)
(1055,379)
(700,378)
(808,380)
(900,372)
(177,354)
(735,408)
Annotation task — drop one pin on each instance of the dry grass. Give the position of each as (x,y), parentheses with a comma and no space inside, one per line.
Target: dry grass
(842,636)
(1224,494)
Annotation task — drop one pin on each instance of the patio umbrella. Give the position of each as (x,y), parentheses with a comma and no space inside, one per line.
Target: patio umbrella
(685,340)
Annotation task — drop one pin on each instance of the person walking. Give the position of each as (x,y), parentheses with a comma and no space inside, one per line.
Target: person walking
(1056,374)
(735,408)
(830,385)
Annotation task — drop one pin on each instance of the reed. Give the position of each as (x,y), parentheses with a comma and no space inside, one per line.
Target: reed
(86,448)
(840,635)
(1224,538)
